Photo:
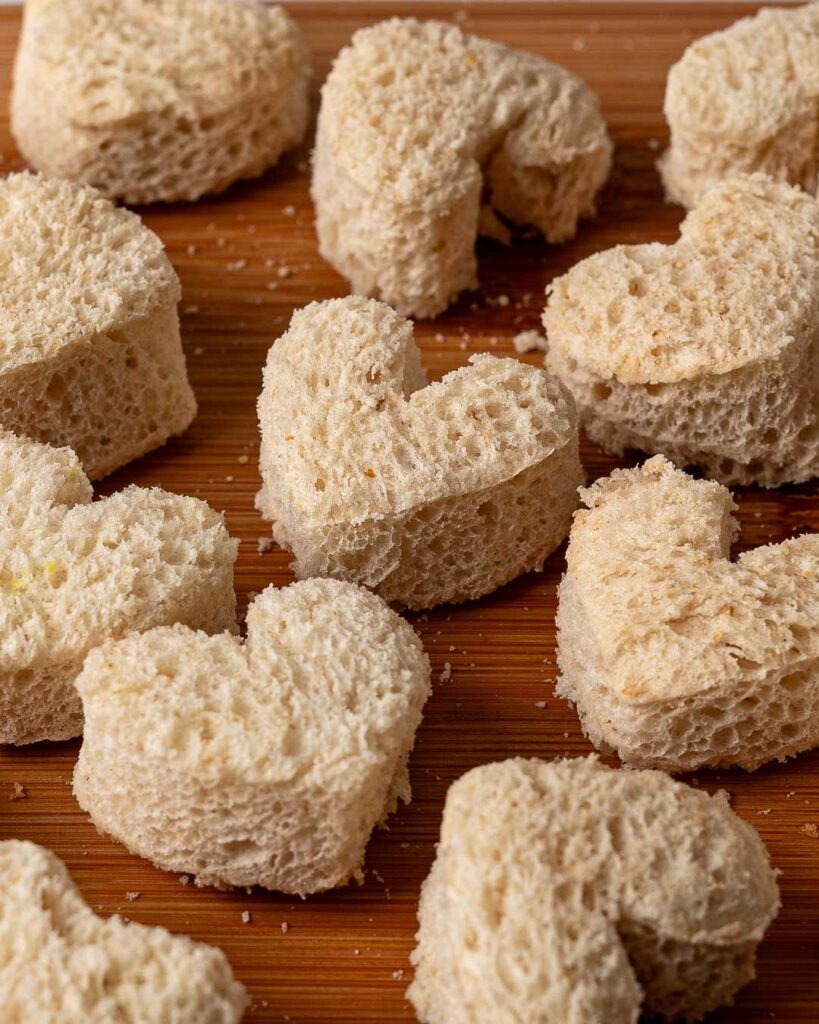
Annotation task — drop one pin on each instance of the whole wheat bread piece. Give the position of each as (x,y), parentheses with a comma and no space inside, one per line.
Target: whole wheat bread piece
(74,573)
(417,122)
(62,964)
(267,762)
(571,893)
(675,656)
(90,355)
(158,102)
(746,99)
(425,493)
(707,350)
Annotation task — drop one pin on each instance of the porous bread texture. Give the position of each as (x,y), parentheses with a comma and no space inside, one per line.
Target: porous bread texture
(424,493)
(158,101)
(419,125)
(90,354)
(675,656)
(746,99)
(62,964)
(571,893)
(74,573)
(707,350)
(265,763)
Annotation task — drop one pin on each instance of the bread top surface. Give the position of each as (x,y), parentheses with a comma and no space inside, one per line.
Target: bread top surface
(73,265)
(73,570)
(109,63)
(56,952)
(746,83)
(740,285)
(329,681)
(411,110)
(662,604)
(635,846)
(352,430)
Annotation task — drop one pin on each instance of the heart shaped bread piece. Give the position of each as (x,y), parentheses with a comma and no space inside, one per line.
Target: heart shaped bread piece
(425,493)
(61,964)
(746,99)
(74,573)
(153,101)
(571,893)
(675,656)
(417,122)
(706,350)
(90,355)
(264,763)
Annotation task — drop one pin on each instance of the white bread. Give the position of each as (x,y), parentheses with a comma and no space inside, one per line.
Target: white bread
(746,99)
(571,893)
(425,493)
(264,763)
(62,964)
(90,355)
(417,120)
(707,350)
(675,656)
(74,573)
(158,102)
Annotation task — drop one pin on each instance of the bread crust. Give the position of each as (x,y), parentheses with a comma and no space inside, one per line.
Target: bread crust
(153,103)
(707,350)
(74,573)
(62,964)
(571,893)
(416,119)
(675,656)
(424,493)
(267,762)
(743,100)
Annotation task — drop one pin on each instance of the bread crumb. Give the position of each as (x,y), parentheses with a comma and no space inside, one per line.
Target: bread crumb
(579,44)
(284,271)
(237,265)
(19,792)
(765,810)
(229,479)
(264,544)
(285,927)
(289,210)
(502,301)
(540,703)
(439,337)
(529,341)
(198,350)
(272,286)
(191,250)
(191,309)
(810,830)
(653,145)
(246,917)
(184,879)
(398,975)
(446,673)
(243,459)
(131,896)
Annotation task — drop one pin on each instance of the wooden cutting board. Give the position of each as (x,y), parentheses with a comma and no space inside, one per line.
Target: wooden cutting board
(343,956)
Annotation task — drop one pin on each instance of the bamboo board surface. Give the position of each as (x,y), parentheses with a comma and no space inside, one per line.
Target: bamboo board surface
(344,955)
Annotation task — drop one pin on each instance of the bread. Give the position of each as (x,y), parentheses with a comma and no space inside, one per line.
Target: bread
(417,122)
(706,351)
(90,355)
(62,964)
(746,99)
(675,656)
(571,893)
(158,101)
(425,493)
(264,763)
(74,573)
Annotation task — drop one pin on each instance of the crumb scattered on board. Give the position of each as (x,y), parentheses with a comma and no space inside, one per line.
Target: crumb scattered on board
(529,341)
(19,792)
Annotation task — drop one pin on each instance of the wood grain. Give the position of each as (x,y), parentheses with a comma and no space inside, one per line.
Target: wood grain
(341,957)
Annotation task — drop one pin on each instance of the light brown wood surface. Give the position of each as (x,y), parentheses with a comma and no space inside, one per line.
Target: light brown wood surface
(342,954)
